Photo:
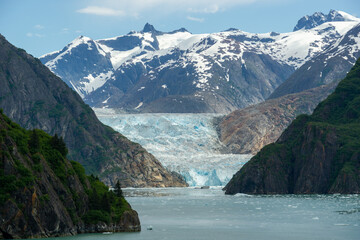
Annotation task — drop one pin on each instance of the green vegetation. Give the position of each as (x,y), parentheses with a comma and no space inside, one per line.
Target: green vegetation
(104,205)
(57,111)
(328,139)
(80,172)
(36,151)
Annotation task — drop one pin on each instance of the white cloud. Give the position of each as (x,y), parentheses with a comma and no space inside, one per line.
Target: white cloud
(135,7)
(195,19)
(209,9)
(39,27)
(101,11)
(30,34)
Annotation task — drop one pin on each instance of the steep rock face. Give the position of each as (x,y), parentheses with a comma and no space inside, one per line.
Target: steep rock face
(35,98)
(331,65)
(177,72)
(315,154)
(250,129)
(44,195)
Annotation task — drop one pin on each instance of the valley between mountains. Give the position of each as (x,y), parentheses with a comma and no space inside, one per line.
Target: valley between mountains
(262,113)
(268,79)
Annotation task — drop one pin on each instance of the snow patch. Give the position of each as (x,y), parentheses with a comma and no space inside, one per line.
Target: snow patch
(91,83)
(172,40)
(119,57)
(139,106)
(142,88)
(106,100)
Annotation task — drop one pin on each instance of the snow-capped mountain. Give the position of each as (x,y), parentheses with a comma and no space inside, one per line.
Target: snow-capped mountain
(331,65)
(318,18)
(153,71)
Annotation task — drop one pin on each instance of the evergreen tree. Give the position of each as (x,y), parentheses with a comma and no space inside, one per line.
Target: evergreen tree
(105,203)
(59,144)
(34,142)
(94,200)
(118,190)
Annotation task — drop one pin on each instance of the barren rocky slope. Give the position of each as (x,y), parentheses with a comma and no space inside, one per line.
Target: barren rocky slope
(248,130)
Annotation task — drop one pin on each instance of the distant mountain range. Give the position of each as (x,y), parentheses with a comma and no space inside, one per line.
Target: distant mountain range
(154,71)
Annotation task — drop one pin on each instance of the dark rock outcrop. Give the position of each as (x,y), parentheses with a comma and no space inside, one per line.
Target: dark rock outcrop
(315,154)
(43,194)
(250,129)
(34,97)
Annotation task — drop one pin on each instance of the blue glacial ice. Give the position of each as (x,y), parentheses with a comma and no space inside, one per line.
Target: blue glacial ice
(185,143)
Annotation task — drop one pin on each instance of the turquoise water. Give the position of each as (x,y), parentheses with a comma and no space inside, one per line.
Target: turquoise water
(209,214)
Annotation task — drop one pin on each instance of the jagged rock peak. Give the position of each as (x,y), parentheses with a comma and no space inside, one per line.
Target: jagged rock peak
(318,18)
(149,28)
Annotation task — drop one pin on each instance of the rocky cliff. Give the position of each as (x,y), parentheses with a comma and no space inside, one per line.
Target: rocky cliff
(34,97)
(250,129)
(315,154)
(43,194)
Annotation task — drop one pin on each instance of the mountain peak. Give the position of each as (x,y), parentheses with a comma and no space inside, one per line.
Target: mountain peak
(179,30)
(81,39)
(318,18)
(149,28)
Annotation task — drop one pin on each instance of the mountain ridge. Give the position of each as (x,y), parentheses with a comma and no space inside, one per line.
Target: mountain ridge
(318,18)
(331,65)
(217,72)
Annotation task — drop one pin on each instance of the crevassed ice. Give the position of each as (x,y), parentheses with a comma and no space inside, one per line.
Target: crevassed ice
(185,143)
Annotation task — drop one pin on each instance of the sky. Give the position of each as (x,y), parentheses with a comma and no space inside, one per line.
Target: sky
(43,26)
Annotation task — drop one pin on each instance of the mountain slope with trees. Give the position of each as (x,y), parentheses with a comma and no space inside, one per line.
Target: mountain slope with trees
(319,153)
(43,194)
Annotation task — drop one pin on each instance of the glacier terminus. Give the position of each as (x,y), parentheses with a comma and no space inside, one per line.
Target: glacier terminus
(184,143)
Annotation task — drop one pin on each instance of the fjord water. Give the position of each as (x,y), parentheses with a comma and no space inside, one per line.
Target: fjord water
(185,143)
(190,213)
(188,143)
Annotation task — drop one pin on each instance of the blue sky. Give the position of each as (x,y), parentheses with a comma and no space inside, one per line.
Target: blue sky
(42,26)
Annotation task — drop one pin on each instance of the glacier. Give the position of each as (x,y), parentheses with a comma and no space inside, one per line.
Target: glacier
(184,143)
